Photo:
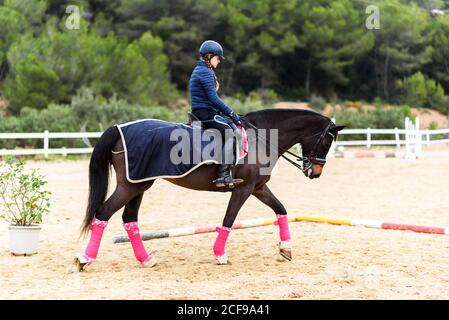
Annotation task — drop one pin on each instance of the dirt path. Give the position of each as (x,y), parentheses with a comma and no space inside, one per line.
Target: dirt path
(330,262)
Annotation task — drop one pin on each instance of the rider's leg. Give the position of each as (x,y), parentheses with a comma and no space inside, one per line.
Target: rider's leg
(224,176)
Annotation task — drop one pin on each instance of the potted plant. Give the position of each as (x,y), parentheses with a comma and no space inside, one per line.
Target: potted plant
(23,201)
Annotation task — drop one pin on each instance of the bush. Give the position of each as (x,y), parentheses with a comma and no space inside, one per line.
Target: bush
(41,68)
(379,118)
(24,200)
(87,112)
(266,96)
(246,105)
(419,91)
(317,103)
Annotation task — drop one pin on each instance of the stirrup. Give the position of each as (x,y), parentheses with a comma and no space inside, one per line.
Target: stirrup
(227,181)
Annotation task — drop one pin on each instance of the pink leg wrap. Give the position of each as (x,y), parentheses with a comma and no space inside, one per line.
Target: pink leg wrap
(220,242)
(97,227)
(284,232)
(136,241)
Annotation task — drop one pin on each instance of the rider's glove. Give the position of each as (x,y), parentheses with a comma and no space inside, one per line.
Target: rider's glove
(235,118)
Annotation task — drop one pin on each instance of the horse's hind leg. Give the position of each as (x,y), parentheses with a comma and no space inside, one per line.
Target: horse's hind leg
(265,195)
(130,224)
(121,196)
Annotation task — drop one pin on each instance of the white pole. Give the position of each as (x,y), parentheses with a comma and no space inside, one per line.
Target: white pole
(368,138)
(418,138)
(407,137)
(46,143)
(396,135)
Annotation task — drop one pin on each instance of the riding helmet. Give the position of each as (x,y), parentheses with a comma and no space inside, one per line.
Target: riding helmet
(211,46)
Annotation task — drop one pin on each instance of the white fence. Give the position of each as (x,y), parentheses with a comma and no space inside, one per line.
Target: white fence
(46,136)
(399,136)
(412,138)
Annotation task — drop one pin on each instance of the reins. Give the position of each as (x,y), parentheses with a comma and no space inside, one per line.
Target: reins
(306,161)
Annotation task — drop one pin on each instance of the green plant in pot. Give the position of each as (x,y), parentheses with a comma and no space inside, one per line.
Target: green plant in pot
(23,202)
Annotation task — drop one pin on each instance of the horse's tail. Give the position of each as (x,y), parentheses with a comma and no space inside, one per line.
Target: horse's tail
(99,166)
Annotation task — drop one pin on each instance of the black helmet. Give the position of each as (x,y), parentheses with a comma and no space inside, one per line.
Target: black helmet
(212,47)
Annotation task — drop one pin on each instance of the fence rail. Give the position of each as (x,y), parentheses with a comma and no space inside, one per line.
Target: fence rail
(400,137)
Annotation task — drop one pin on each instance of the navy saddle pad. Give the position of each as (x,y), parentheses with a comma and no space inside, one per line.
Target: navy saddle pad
(149,146)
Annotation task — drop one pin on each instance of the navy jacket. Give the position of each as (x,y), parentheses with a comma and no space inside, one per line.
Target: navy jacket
(203,92)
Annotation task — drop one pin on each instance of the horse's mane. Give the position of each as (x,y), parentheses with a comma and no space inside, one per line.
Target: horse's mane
(278,112)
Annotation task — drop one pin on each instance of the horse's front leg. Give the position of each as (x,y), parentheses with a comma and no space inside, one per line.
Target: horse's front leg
(265,195)
(238,198)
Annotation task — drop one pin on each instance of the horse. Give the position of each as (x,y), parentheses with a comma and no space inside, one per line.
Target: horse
(314,131)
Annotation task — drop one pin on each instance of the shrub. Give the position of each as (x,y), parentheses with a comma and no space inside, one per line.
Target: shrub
(24,200)
(244,106)
(317,103)
(420,91)
(379,118)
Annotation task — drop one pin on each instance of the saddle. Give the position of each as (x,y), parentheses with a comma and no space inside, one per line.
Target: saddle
(240,137)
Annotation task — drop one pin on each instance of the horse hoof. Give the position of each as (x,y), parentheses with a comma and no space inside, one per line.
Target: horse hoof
(150,262)
(286,254)
(285,250)
(81,263)
(223,260)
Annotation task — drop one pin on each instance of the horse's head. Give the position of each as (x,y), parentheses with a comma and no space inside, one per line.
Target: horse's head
(315,149)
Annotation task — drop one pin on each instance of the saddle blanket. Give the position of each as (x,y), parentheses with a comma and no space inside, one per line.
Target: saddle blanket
(159,149)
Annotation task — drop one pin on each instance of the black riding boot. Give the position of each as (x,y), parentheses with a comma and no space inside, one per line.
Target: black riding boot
(224,177)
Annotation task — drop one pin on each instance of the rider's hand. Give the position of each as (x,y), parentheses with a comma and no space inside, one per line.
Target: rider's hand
(235,118)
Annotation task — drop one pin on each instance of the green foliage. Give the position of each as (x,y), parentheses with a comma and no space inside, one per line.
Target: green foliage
(266,96)
(23,194)
(378,118)
(139,51)
(317,103)
(13,24)
(86,112)
(334,36)
(260,31)
(53,66)
(420,91)
(402,42)
(243,106)
(440,55)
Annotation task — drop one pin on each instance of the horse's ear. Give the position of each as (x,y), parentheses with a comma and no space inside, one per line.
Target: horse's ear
(339,128)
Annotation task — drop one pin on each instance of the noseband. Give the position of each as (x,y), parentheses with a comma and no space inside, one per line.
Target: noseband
(313,158)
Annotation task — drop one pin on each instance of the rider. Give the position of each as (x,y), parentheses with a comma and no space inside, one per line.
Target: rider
(206,104)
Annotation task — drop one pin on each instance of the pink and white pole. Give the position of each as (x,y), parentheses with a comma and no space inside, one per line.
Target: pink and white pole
(178,232)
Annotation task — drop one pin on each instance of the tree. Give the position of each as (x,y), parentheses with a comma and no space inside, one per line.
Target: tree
(53,66)
(402,43)
(13,25)
(260,32)
(333,34)
(182,25)
(440,55)
(419,91)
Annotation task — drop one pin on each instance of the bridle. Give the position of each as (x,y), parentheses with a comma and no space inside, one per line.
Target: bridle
(307,161)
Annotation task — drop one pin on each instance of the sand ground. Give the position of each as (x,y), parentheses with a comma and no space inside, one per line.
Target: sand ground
(330,262)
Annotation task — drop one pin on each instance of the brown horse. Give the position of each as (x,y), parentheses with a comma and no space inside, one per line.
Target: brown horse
(312,130)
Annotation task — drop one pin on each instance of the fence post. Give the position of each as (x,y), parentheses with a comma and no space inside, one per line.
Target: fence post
(46,143)
(427,138)
(418,138)
(368,138)
(396,135)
